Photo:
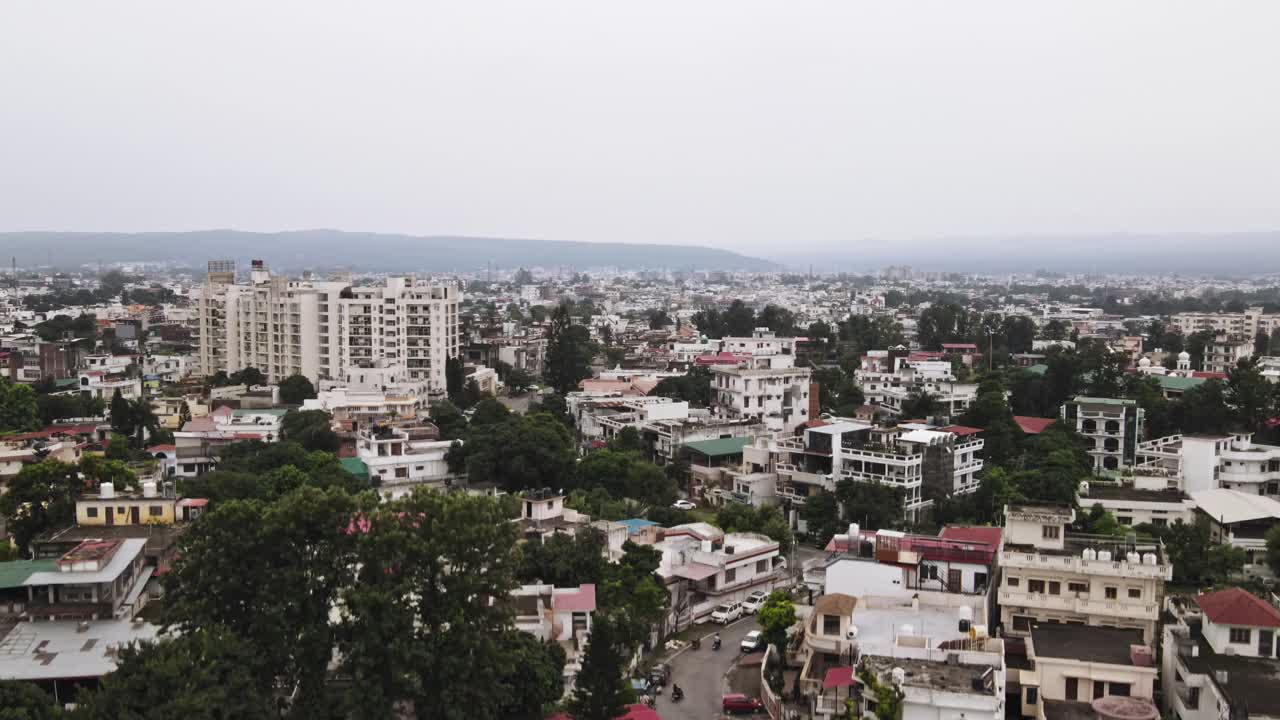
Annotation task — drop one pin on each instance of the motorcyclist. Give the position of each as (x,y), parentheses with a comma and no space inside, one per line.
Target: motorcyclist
(676,692)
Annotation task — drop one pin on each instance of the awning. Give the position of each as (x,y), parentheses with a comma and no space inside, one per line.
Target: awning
(695,571)
(838,677)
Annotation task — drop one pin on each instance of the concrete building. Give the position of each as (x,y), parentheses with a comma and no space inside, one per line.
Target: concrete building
(1111,427)
(1085,671)
(402,458)
(1197,463)
(926,463)
(559,615)
(1241,520)
(321,329)
(1051,575)
(703,566)
(1221,355)
(1244,324)
(1219,657)
(775,396)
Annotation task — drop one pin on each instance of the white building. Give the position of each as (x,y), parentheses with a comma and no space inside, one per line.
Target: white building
(401,458)
(1113,669)
(926,463)
(1050,575)
(559,615)
(703,566)
(1206,462)
(1111,428)
(1219,657)
(321,329)
(1224,352)
(1245,324)
(100,384)
(778,397)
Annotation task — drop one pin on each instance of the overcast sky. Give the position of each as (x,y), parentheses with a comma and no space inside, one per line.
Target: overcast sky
(734,123)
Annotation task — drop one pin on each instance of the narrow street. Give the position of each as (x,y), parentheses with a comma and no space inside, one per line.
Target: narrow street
(702,674)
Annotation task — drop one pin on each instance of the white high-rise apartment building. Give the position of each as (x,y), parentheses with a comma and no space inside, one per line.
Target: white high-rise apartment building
(324,329)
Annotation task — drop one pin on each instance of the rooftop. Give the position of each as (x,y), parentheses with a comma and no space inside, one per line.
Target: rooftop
(1232,506)
(1033,425)
(935,674)
(719,447)
(123,552)
(1118,402)
(1100,491)
(835,604)
(14,573)
(49,650)
(1246,681)
(1235,606)
(1088,643)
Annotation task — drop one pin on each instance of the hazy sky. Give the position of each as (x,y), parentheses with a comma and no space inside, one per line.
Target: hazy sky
(749,125)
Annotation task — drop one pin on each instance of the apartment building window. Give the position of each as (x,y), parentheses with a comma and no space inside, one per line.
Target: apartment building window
(730,575)
(1111,593)
(1072,688)
(1118,689)
(1193,698)
(1033,695)
(1076,587)
(1241,636)
(1124,519)
(91,512)
(155,510)
(1050,532)
(1035,586)
(1055,587)
(831,625)
(1013,581)
(762,566)
(1135,593)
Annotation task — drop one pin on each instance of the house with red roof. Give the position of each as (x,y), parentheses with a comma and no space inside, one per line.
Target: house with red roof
(559,615)
(1033,425)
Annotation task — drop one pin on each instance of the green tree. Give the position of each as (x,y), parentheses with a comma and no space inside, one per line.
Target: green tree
(694,387)
(521,452)
(1205,409)
(920,404)
(204,674)
(489,412)
(1252,397)
(627,440)
(599,693)
(659,319)
(872,505)
(427,566)
(295,389)
(250,376)
(537,681)
(767,521)
(450,420)
(776,616)
(518,382)
(41,496)
(1273,549)
(26,701)
(821,514)
(565,560)
(121,415)
(19,409)
(111,284)
(569,352)
(271,573)
(1054,330)
(739,320)
(312,429)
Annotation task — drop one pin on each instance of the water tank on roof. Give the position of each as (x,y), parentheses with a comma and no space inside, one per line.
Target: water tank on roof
(854,531)
(907,630)
(1133,557)
(149,489)
(1149,559)
(899,675)
(966,618)
(1104,555)
(1084,487)
(1090,554)
(107,490)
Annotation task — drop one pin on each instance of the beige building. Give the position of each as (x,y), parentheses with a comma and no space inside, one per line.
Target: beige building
(1086,671)
(323,329)
(1051,575)
(1248,323)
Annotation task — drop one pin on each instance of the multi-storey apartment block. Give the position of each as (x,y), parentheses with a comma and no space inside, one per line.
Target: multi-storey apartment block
(1050,575)
(1246,324)
(776,396)
(1225,351)
(323,329)
(1111,427)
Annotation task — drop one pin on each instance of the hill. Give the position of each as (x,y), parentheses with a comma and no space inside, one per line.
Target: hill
(374,252)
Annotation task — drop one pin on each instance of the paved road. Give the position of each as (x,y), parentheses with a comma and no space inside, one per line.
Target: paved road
(701,674)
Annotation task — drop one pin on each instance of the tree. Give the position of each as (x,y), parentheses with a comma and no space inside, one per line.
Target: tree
(118,447)
(1273,549)
(19,410)
(872,505)
(111,284)
(249,376)
(821,515)
(428,564)
(565,560)
(518,382)
(694,387)
(778,319)
(295,389)
(1205,409)
(205,674)
(26,701)
(627,440)
(520,453)
(1252,397)
(919,404)
(569,352)
(144,419)
(767,521)
(537,680)
(312,429)
(489,412)
(1054,330)
(739,320)
(522,277)
(270,573)
(894,298)
(451,422)
(599,693)
(776,616)
(121,415)
(41,496)
(454,378)
(1019,332)
(659,319)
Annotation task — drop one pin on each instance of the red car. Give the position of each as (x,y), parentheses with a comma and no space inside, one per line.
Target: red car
(737,702)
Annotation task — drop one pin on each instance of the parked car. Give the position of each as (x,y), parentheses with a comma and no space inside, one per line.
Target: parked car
(753,642)
(660,674)
(752,604)
(726,613)
(684,505)
(642,686)
(737,702)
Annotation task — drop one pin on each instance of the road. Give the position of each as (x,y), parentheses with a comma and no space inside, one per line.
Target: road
(701,674)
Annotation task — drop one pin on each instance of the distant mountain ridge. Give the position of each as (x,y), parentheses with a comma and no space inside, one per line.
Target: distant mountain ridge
(361,251)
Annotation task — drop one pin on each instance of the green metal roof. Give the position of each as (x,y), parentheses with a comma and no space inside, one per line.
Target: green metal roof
(719,447)
(1174,382)
(15,572)
(355,466)
(1038,369)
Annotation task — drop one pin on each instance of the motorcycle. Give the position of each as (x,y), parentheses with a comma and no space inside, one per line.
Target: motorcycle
(697,643)
(715,643)
(677,693)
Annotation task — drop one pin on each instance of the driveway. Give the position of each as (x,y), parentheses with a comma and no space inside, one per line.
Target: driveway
(702,674)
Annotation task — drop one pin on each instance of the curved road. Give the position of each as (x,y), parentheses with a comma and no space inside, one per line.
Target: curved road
(701,674)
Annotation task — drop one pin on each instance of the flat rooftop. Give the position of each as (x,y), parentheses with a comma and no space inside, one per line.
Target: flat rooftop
(934,674)
(881,621)
(57,650)
(1251,682)
(1088,643)
(1099,491)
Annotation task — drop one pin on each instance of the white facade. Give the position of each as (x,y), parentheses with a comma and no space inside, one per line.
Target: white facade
(1222,354)
(778,397)
(1111,429)
(323,329)
(400,459)
(1248,323)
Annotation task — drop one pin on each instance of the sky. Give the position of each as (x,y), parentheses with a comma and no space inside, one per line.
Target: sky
(753,126)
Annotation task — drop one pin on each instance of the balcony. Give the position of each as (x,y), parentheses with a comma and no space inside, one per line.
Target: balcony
(1076,564)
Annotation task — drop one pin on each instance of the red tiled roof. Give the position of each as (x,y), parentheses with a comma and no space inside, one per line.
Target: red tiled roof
(1033,425)
(53,430)
(961,430)
(584,600)
(959,346)
(1235,606)
(162,448)
(814,424)
(838,677)
(972,534)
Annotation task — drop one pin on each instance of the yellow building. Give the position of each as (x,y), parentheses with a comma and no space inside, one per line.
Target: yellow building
(110,508)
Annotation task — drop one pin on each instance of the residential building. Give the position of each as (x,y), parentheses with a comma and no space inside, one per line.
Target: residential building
(355,410)
(323,329)
(402,458)
(1244,324)
(1051,575)
(543,514)
(1221,355)
(1241,520)
(1206,462)
(1219,657)
(103,385)
(703,566)
(98,579)
(775,396)
(559,615)
(1132,505)
(1089,672)
(152,505)
(1111,428)
(926,463)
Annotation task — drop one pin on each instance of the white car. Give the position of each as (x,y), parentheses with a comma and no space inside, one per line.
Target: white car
(726,613)
(753,642)
(684,505)
(753,602)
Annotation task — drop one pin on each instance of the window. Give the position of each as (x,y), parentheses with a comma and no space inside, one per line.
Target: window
(1120,689)
(1055,588)
(979,580)
(1022,623)
(1073,687)
(1035,586)
(91,512)
(762,566)
(402,472)
(1076,587)
(155,511)
(1135,593)
(1111,593)
(1013,581)
(730,575)
(1050,532)
(1033,695)
(1161,522)
(831,625)
(1124,519)
(1241,636)
(1193,698)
